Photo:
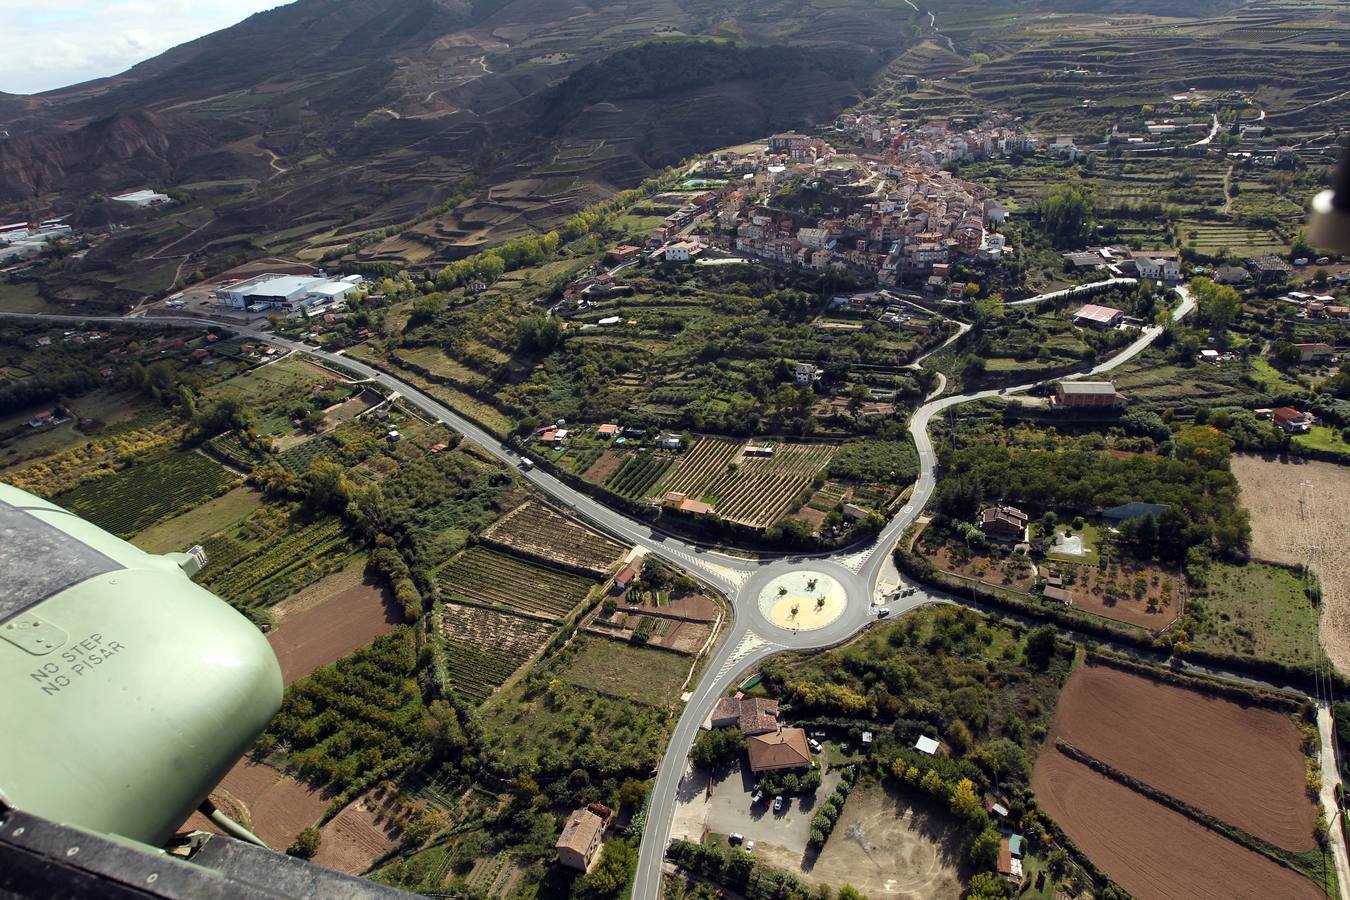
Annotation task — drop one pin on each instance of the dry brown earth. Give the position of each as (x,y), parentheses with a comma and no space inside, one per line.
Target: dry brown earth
(1150,850)
(353,840)
(1240,764)
(275,807)
(1288,519)
(330,619)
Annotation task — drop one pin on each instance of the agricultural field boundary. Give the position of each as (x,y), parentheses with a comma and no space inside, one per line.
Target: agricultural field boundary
(1310,864)
(1242,694)
(1305,678)
(491,537)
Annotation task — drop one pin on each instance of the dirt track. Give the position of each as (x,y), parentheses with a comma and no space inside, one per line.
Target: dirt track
(347,613)
(1240,764)
(1287,519)
(1150,850)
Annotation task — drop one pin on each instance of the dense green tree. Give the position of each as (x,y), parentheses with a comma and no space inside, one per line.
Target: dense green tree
(538,334)
(1066,214)
(1217,305)
(984,849)
(987,886)
(611,873)
(716,747)
(1040,647)
(306,843)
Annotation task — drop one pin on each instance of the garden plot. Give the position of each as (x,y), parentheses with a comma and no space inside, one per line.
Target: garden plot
(484,647)
(536,531)
(637,478)
(489,578)
(707,461)
(363,832)
(301,456)
(129,501)
(749,490)
(61,471)
(251,576)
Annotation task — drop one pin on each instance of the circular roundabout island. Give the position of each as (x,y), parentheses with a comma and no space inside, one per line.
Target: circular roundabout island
(803,600)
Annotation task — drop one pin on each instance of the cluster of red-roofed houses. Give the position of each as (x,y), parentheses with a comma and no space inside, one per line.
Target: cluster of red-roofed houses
(769,746)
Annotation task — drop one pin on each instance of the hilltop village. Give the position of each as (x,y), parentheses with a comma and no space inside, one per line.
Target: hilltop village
(891,211)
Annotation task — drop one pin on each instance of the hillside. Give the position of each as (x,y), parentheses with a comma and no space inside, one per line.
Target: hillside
(334,120)
(413,132)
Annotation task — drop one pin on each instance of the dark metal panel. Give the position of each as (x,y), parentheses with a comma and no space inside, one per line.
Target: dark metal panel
(38,560)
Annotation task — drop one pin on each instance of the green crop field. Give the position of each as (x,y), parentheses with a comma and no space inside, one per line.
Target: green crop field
(753,491)
(495,579)
(129,501)
(279,566)
(300,457)
(1321,437)
(232,450)
(199,522)
(638,475)
(484,647)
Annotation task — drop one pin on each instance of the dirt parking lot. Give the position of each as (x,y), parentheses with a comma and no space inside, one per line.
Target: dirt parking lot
(1289,518)
(782,835)
(886,847)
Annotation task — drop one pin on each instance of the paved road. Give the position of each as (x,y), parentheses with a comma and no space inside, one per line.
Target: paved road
(752,636)
(1091,287)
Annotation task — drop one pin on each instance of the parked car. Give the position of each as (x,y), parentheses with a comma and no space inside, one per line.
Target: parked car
(735,838)
(814,745)
(883,613)
(756,797)
(778,803)
(749,846)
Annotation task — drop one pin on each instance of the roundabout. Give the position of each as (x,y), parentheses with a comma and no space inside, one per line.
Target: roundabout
(803,600)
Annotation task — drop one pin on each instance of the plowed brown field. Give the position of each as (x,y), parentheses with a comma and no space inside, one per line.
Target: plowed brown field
(1150,850)
(275,807)
(352,840)
(352,613)
(1240,764)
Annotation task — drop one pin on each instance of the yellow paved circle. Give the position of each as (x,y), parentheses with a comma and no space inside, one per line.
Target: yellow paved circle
(803,601)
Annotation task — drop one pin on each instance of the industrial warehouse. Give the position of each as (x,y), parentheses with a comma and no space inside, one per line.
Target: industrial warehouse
(286,292)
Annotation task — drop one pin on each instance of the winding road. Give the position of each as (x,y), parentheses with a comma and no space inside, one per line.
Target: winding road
(753,635)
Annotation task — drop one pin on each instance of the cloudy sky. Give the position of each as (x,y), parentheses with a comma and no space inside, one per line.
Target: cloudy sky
(47,44)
